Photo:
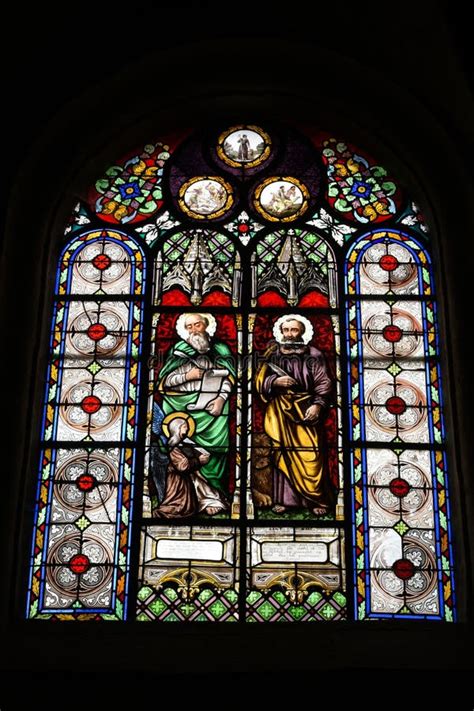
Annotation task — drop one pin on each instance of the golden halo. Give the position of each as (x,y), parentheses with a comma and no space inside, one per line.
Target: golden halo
(285,217)
(239,163)
(212,215)
(172,416)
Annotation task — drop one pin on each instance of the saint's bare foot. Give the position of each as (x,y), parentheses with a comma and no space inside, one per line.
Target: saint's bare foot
(278,508)
(211,510)
(320,510)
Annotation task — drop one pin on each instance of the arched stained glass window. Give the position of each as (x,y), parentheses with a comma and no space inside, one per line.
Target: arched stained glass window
(80,553)
(281,457)
(403,558)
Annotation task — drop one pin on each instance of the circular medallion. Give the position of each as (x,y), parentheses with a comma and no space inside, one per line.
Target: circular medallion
(73,555)
(91,404)
(206,198)
(89,336)
(244,146)
(388,262)
(392,333)
(396,405)
(96,331)
(84,411)
(85,482)
(79,563)
(101,261)
(399,487)
(403,568)
(390,266)
(281,199)
(402,413)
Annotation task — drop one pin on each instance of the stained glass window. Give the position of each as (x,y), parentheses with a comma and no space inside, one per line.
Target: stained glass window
(243,415)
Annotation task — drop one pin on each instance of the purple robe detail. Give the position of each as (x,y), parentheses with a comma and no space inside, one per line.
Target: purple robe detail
(310,372)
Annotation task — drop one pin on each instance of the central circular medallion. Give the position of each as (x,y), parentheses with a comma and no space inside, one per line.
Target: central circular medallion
(244,146)
(399,487)
(392,333)
(79,563)
(102,261)
(206,198)
(396,405)
(388,262)
(96,331)
(281,199)
(91,404)
(85,482)
(403,568)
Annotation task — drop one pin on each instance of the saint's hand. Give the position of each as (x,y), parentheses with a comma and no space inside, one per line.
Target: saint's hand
(204,458)
(312,413)
(284,381)
(214,407)
(194,374)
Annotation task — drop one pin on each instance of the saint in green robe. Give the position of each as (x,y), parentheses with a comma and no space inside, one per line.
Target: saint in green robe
(212,432)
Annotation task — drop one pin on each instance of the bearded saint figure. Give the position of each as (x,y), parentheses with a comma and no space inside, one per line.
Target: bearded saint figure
(294,383)
(198,377)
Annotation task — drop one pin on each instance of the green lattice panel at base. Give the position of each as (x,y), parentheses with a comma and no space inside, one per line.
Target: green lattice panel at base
(167,605)
(274,606)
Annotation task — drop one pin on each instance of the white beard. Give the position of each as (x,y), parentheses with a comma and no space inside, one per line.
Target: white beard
(199,341)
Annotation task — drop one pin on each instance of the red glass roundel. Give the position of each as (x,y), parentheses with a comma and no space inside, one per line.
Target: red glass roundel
(392,333)
(85,482)
(101,261)
(403,568)
(79,563)
(399,487)
(96,331)
(388,262)
(91,404)
(395,405)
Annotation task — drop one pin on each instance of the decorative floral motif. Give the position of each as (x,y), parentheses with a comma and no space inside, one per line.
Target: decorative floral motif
(152,232)
(331,225)
(414,218)
(360,190)
(244,227)
(78,219)
(131,191)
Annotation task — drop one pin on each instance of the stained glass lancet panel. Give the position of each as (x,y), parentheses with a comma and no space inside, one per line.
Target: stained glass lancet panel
(295,571)
(80,553)
(192,464)
(402,552)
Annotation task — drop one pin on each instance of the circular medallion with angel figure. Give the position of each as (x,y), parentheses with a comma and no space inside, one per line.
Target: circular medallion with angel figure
(206,198)
(281,199)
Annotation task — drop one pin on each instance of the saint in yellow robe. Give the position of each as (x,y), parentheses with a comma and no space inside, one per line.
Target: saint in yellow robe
(297,447)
